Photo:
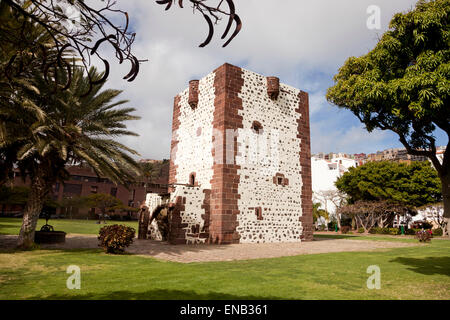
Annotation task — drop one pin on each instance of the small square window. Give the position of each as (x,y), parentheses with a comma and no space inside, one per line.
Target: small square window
(258,213)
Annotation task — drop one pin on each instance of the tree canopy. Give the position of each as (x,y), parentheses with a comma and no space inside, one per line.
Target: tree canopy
(403,84)
(415,184)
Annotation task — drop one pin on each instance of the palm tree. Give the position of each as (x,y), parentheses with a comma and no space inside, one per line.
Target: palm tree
(318,213)
(71,128)
(21,43)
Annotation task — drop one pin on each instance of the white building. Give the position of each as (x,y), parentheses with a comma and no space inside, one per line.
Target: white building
(324,174)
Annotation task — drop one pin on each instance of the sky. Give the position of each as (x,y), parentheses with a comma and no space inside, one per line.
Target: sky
(303,42)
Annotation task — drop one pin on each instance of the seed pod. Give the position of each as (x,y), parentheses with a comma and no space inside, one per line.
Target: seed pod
(230,19)
(136,68)
(99,42)
(211,31)
(105,75)
(236,31)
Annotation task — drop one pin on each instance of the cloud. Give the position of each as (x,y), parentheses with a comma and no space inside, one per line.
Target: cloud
(302,42)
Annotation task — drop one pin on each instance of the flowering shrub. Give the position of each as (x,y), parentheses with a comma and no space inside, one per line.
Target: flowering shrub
(424,235)
(114,238)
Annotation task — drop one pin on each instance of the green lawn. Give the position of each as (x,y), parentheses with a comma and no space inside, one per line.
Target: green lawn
(12,225)
(421,272)
(371,237)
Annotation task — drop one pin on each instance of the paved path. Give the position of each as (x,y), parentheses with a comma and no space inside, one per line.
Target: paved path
(201,253)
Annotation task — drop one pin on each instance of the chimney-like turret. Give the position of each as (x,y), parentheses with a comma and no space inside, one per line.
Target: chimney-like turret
(193,93)
(273,87)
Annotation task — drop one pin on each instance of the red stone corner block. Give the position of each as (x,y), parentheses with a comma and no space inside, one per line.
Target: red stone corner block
(305,163)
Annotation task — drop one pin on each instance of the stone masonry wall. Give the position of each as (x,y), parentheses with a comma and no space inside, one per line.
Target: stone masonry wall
(188,216)
(193,134)
(265,156)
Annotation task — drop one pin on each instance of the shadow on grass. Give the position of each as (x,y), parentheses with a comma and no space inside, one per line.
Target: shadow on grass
(427,266)
(138,247)
(158,294)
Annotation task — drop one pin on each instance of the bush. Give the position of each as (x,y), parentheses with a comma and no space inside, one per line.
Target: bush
(115,238)
(424,235)
(361,230)
(374,230)
(345,229)
(412,231)
(377,230)
(394,231)
(437,232)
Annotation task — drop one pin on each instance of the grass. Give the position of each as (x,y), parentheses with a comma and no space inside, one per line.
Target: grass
(419,272)
(12,225)
(372,237)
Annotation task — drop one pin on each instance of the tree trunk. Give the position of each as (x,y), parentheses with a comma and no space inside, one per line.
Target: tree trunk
(39,190)
(338,219)
(102,215)
(445,179)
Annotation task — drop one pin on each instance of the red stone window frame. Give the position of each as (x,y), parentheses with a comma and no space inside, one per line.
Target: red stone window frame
(280,180)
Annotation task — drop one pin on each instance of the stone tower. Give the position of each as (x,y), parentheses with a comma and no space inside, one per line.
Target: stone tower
(240,168)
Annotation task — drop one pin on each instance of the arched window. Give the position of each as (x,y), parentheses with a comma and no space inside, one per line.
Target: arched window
(192,179)
(257,127)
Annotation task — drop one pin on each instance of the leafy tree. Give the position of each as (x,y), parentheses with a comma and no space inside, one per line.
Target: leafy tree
(415,184)
(370,213)
(19,196)
(71,129)
(147,169)
(68,203)
(153,170)
(403,84)
(14,195)
(104,202)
